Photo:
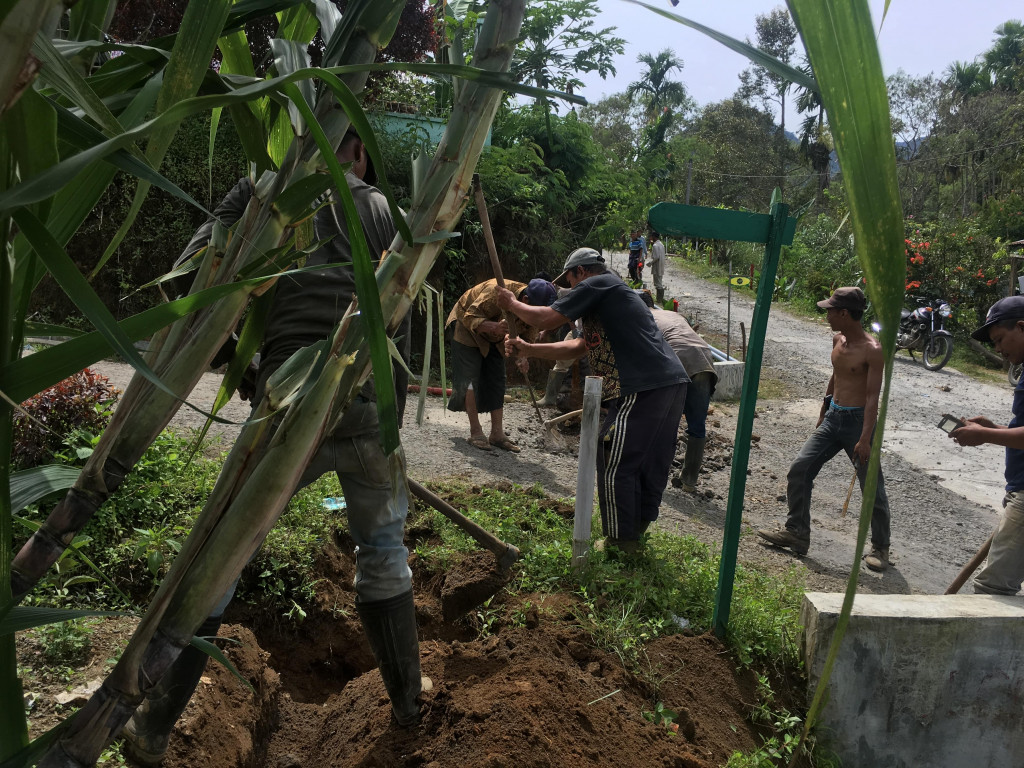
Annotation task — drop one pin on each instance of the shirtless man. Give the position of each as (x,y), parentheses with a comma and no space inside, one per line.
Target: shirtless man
(847,422)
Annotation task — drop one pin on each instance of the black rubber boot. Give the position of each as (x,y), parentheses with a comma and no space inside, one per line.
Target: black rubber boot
(147,734)
(555,379)
(661,296)
(390,627)
(688,475)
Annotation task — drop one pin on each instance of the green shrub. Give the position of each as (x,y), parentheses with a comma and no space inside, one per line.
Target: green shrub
(75,409)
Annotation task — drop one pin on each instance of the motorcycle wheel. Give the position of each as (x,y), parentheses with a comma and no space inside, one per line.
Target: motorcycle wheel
(1014,374)
(937,352)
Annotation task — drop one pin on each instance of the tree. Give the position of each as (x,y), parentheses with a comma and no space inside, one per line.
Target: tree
(661,97)
(815,144)
(914,112)
(617,123)
(1005,59)
(776,35)
(558,42)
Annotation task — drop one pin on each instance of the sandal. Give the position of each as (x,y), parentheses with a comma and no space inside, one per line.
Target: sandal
(479,441)
(505,444)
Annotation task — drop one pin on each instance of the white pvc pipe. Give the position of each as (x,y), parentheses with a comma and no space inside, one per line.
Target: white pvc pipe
(587,473)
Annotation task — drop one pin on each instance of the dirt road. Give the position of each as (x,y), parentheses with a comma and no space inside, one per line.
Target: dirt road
(943,497)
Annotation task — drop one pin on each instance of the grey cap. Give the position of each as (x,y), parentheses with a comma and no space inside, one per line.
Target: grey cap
(581,257)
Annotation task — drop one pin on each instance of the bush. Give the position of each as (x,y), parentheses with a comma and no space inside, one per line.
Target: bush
(47,421)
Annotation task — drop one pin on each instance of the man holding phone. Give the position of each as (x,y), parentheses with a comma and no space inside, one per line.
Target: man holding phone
(1004,571)
(846,423)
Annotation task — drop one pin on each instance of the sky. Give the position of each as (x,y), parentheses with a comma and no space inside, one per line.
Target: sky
(918,36)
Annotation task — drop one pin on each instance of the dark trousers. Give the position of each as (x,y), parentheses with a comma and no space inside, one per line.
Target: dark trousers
(633,469)
(840,430)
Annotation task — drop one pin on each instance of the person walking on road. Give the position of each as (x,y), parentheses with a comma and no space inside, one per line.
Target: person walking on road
(1004,571)
(846,422)
(657,264)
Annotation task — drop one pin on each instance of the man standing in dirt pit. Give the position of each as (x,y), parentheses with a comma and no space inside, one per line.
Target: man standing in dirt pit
(657,264)
(846,422)
(620,337)
(478,362)
(695,355)
(1004,571)
(305,309)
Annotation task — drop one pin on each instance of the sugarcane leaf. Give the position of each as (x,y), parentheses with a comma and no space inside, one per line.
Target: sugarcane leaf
(288,381)
(78,133)
(59,264)
(194,45)
(43,185)
(359,121)
(217,654)
(397,356)
(296,23)
(841,45)
(292,56)
(756,55)
(30,485)
(23,378)
(329,16)
(296,200)
(22,617)
(433,237)
(68,82)
(250,10)
(370,309)
(90,18)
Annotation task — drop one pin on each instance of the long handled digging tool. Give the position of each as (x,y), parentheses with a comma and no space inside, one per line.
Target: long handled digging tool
(485,222)
(971,567)
(505,554)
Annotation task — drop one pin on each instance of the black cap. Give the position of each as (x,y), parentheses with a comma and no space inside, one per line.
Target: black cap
(1010,308)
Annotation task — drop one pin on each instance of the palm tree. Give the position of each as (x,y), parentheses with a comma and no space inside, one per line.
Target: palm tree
(1005,59)
(654,89)
(659,95)
(813,146)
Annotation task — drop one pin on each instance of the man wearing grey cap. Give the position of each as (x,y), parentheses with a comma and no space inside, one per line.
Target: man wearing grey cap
(846,422)
(644,388)
(1004,571)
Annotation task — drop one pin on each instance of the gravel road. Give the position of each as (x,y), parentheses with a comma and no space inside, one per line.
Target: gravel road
(944,498)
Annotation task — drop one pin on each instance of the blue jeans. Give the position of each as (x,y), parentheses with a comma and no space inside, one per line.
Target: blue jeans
(840,430)
(376,498)
(698,398)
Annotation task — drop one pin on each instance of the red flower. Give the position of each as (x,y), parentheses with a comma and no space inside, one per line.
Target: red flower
(913,284)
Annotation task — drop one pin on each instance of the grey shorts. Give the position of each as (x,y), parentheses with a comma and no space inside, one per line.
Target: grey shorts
(486,374)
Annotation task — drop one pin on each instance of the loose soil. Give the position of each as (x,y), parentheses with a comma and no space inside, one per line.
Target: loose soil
(534,691)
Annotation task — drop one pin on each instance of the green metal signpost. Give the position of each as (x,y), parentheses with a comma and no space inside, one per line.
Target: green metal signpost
(775,230)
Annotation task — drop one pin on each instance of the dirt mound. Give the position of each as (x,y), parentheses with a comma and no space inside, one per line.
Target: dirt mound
(536,697)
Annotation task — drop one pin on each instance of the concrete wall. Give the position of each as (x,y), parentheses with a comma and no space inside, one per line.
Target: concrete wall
(730,380)
(921,680)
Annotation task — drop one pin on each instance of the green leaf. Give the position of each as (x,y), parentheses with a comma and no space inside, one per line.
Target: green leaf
(362,266)
(91,18)
(194,45)
(841,45)
(47,329)
(33,752)
(22,617)
(217,654)
(31,485)
(756,55)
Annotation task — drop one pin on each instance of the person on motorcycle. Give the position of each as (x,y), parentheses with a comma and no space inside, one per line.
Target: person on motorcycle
(846,422)
(1004,571)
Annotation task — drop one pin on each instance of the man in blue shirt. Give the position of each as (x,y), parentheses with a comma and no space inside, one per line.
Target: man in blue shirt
(1004,572)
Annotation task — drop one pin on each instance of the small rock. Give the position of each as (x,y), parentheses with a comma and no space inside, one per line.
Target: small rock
(80,695)
(755,438)
(781,497)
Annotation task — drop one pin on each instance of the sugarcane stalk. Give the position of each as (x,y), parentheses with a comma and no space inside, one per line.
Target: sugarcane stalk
(183,351)
(223,541)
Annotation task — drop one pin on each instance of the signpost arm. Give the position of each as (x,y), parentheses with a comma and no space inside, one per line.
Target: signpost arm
(745,423)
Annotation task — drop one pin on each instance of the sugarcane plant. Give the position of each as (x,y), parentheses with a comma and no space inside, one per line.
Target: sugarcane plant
(241,261)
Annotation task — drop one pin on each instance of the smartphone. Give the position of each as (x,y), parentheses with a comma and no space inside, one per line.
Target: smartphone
(949,423)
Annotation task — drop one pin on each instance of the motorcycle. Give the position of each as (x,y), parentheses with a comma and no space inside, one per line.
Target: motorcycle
(924,330)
